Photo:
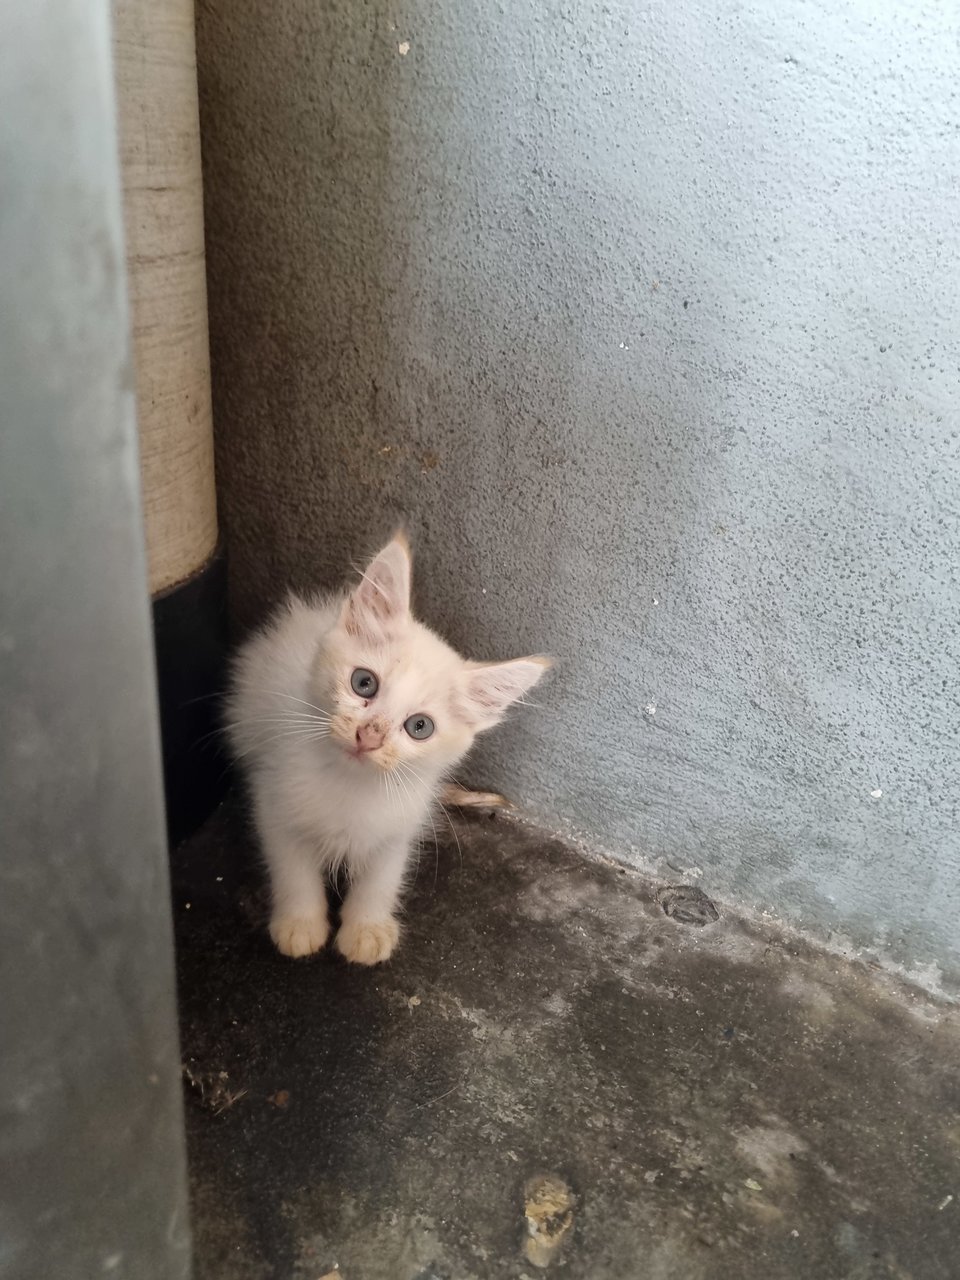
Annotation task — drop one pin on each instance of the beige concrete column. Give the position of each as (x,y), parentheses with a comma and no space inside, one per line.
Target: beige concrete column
(156,75)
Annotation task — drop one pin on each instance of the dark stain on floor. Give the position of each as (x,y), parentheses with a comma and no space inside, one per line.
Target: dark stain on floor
(718,1101)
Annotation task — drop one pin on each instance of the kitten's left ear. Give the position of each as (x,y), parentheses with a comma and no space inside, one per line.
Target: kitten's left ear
(490,690)
(381,600)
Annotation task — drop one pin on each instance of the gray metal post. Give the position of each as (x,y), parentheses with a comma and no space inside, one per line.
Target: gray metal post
(92,1175)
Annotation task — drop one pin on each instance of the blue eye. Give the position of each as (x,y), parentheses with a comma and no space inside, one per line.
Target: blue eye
(419,727)
(364,683)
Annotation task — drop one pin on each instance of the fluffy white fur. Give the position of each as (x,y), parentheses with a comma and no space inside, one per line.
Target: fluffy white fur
(336,779)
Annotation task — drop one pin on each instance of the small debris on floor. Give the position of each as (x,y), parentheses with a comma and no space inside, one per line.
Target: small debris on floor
(315,1260)
(752,1185)
(280,1099)
(212,1087)
(413,1002)
(548,1207)
(687,904)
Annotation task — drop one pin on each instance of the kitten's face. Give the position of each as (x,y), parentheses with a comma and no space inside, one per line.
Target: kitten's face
(392,703)
(399,698)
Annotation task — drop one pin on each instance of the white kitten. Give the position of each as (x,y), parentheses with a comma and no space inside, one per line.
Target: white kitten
(348,714)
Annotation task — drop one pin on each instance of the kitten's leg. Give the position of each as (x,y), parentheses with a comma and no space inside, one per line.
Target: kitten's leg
(298,921)
(369,930)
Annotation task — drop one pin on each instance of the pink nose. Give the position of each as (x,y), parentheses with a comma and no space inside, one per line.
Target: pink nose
(370,736)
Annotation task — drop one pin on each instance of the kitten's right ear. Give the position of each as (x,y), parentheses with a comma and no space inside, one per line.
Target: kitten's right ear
(381,600)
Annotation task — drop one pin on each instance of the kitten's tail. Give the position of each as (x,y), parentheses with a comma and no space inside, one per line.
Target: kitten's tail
(461,798)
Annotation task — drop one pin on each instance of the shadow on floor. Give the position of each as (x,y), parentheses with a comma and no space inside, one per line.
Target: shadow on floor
(718,1103)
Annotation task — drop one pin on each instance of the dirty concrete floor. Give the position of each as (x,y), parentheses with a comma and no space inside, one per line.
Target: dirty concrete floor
(719,1102)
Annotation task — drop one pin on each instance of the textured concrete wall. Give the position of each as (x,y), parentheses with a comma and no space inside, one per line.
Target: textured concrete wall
(645,318)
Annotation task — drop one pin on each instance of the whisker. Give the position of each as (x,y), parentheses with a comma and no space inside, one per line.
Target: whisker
(214,733)
(276,693)
(436,842)
(401,781)
(376,586)
(306,722)
(391,791)
(436,849)
(302,726)
(226,769)
(261,745)
(294,720)
(305,735)
(405,768)
(394,791)
(203,697)
(297,718)
(443,810)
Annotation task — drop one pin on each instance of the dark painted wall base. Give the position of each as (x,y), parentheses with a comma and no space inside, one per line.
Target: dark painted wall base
(190,634)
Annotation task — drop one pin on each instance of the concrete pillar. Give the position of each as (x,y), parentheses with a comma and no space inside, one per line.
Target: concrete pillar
(156,76)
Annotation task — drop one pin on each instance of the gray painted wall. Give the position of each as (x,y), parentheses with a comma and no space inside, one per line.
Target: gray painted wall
(92,1160)
(644,317)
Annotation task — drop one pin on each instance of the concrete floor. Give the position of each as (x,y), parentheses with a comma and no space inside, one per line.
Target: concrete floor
(713,1102)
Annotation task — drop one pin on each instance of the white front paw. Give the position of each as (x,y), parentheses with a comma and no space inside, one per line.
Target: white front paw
(299,935)
(368,941)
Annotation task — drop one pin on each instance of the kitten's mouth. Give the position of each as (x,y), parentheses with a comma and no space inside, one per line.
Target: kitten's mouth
(369,758)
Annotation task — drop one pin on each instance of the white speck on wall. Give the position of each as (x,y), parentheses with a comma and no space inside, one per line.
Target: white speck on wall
(483,591)
(655,600)
(876,794)
(403,48)
(624,346)
(651,708)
